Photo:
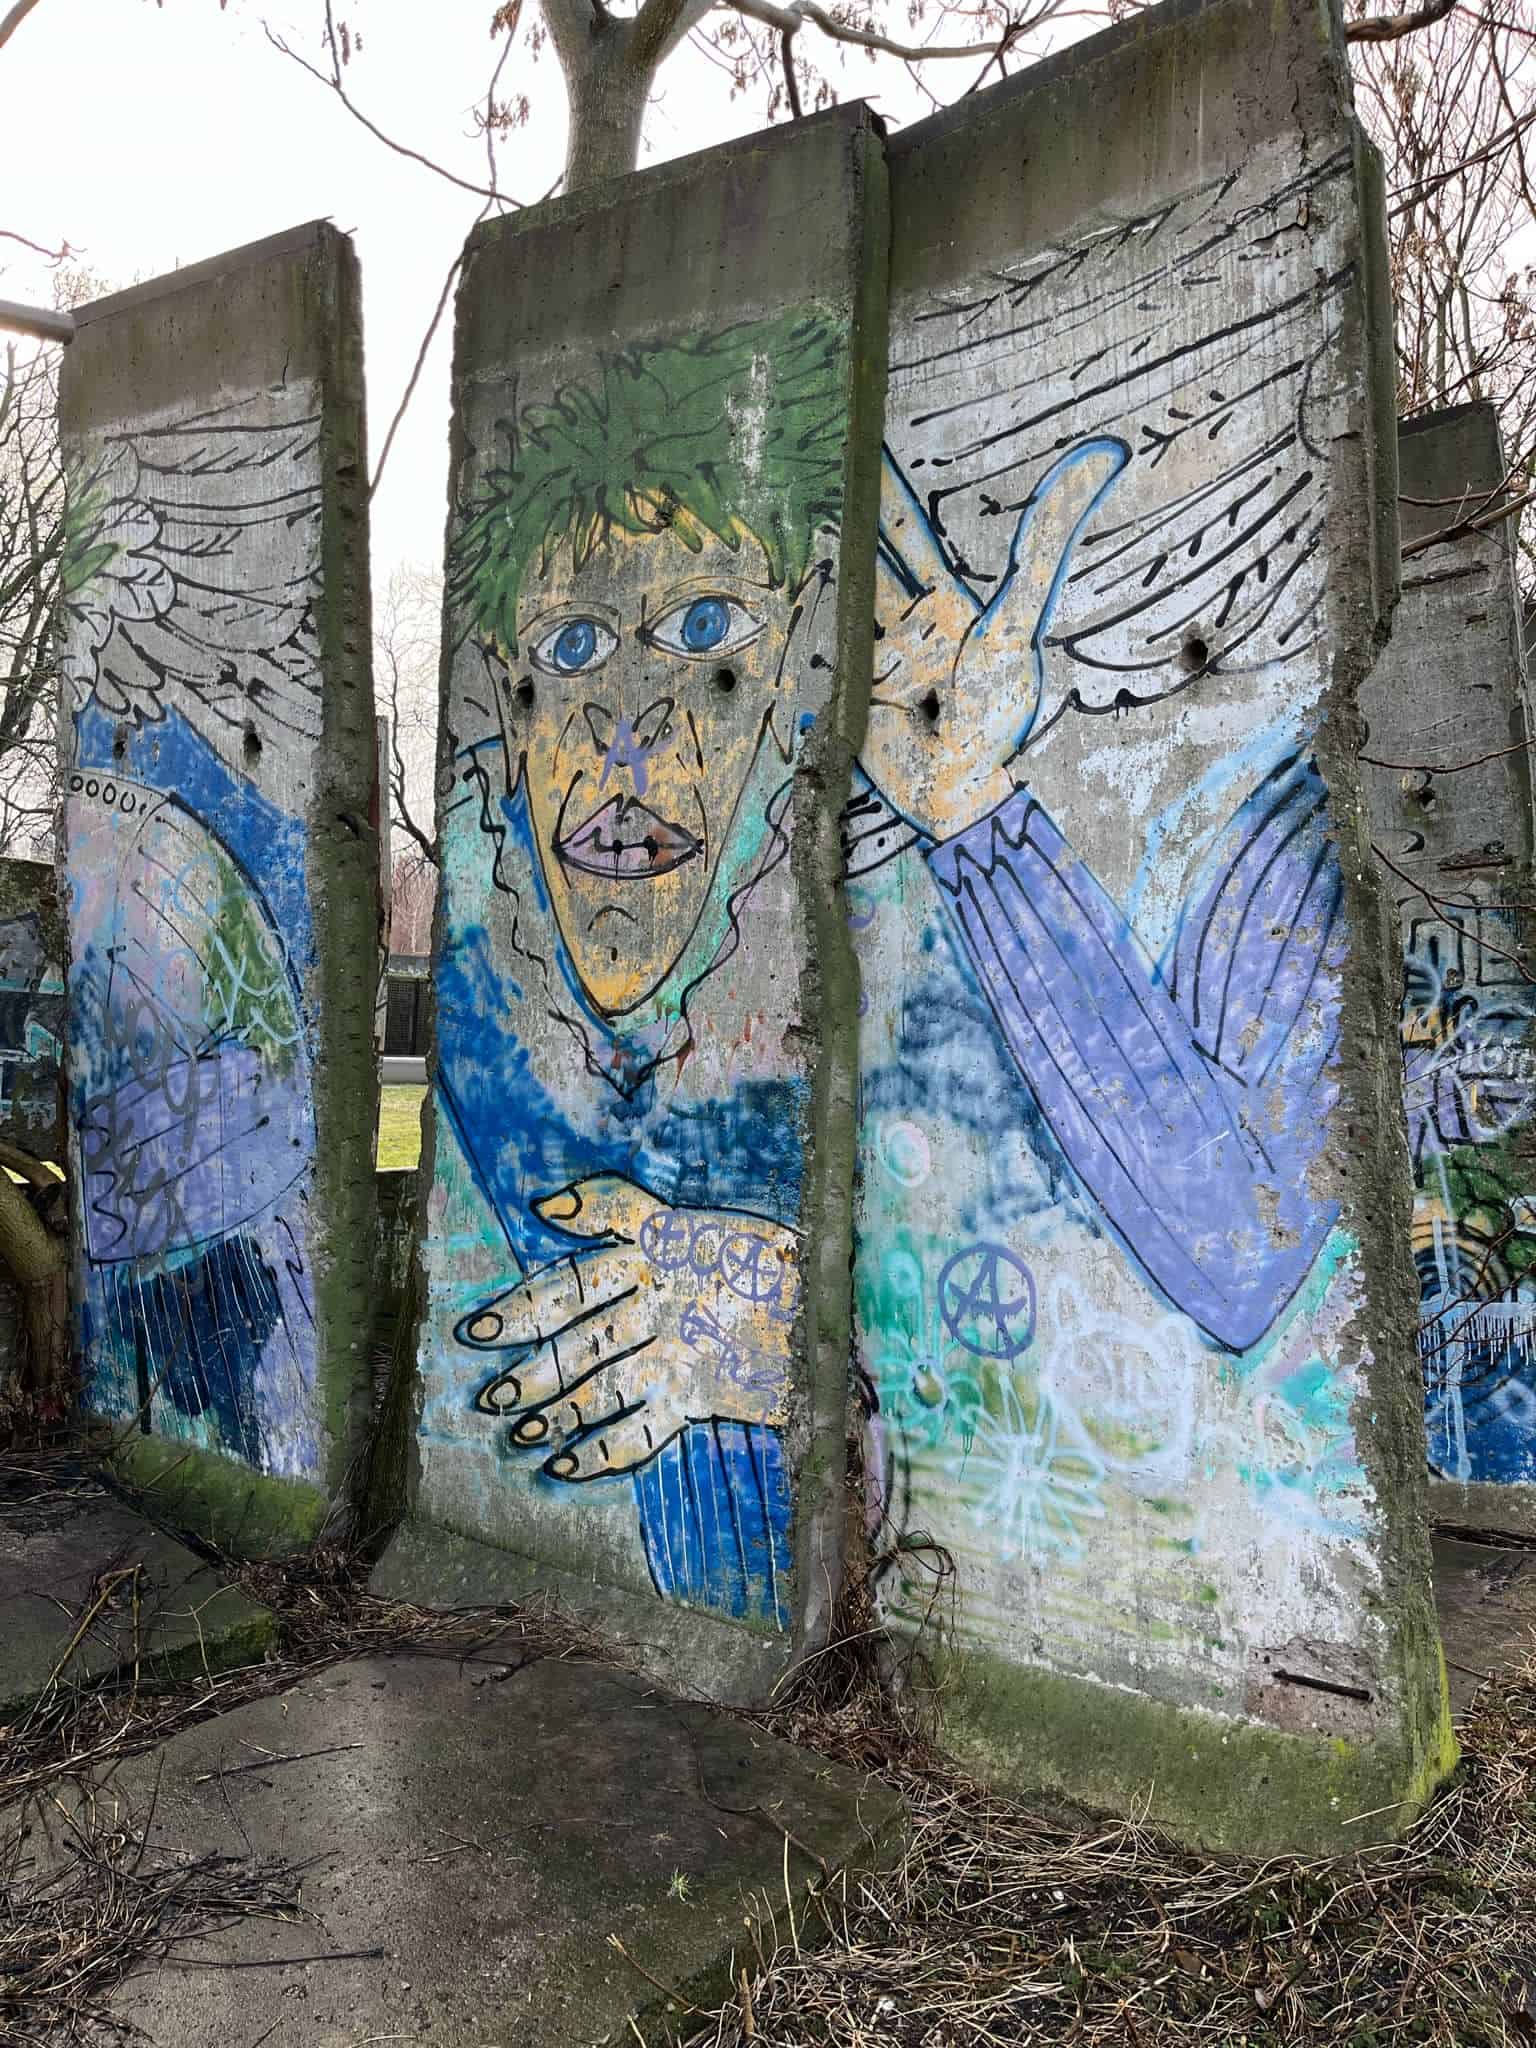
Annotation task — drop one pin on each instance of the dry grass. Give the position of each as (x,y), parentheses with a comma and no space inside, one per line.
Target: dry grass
(70,1934)
(1003,1927)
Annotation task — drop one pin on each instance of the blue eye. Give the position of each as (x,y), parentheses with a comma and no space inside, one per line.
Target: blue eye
(706,625)
(573,647)
(575,644)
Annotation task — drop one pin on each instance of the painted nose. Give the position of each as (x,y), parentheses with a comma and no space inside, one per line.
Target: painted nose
(629,746)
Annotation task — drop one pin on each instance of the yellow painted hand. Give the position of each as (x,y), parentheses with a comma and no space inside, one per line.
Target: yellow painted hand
(683,1315)
(959,680)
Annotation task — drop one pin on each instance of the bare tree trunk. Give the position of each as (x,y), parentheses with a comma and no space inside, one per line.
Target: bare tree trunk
(35,1260)
(609,62)
(608,92)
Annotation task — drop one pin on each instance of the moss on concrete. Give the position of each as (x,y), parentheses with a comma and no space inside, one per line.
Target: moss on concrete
(829,981)
(235,1510)
(1221,1783)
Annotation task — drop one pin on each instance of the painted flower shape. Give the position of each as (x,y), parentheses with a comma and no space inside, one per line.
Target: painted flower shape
(1029,1484)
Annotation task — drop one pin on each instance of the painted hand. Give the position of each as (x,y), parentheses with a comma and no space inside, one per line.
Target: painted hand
(959,681)
(684,1315)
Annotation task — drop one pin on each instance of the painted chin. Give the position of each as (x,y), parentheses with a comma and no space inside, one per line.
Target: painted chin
(624,936)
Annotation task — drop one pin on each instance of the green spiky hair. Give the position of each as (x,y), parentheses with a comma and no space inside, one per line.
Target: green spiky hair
(730,434)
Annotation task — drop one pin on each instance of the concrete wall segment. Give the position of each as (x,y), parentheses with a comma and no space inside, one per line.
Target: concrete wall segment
(1136,1367)
(222,874)
(1448,775)
(646,1037)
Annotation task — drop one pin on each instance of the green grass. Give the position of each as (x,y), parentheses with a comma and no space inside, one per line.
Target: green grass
(399,1128)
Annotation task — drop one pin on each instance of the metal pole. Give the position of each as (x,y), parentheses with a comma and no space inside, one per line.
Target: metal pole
(37,320)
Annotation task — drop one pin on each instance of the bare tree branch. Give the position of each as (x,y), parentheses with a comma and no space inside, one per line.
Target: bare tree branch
(660,26)
(790,20)
(14,19)
(421,356)
(1479,523)
(60,255)
(334,85)
(1390,28)
(791,85)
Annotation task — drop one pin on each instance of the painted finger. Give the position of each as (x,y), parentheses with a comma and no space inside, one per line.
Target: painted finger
(602,1205)
(616,1386)
(536,1377)
(622,1443)
(910,553)
(1054,515)
(549,1301)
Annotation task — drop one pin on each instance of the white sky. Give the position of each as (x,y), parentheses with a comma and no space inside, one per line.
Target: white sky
(152,136)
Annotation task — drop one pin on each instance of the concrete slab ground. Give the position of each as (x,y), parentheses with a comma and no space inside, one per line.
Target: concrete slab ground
(88,1587)
(478,1839)
(1485,1594)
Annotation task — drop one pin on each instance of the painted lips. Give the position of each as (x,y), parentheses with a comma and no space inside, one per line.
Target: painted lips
(626,842)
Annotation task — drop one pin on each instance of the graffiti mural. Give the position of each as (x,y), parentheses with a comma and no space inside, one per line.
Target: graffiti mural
(31,1009)
(1469,1086)
(1100,1283)
(192,661)
(639,579)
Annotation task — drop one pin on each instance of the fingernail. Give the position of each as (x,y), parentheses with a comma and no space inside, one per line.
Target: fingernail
(484,1329)
(561,1467)
(531,1430)
(566,1203)
(503,1394)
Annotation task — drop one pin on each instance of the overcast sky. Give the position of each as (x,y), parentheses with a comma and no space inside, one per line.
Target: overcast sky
(152,136)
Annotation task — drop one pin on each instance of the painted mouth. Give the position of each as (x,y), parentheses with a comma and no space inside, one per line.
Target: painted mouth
(626,842)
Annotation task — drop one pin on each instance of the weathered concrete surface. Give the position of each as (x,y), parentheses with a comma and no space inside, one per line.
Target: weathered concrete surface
(32,943)
(1134,1301)
(483,1838)
(1448,779)
(225,904)
(633,1358)
(1485,1595)
(88,1588)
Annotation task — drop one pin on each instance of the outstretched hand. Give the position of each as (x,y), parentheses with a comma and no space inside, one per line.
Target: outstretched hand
(959,681)
(681,1316)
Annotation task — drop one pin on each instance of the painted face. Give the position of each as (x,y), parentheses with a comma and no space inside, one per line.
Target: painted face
(647,680)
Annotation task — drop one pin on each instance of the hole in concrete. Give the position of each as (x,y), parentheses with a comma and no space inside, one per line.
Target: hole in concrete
(524,692)
(120,743)
(1195,653)
(929,706)
(725,679)
(252,746)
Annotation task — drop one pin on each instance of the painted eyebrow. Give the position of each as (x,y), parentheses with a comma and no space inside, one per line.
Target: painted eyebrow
(708,586)
(568,608)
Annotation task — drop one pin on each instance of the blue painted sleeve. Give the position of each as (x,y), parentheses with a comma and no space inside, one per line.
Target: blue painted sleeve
(1195,1134)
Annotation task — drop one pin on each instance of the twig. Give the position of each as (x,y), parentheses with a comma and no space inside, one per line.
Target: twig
(1448,903)
(1462,527)
(421,356)
(264,1763)
(335,85)
(1446,768)
(335,1955)
(665,1989)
